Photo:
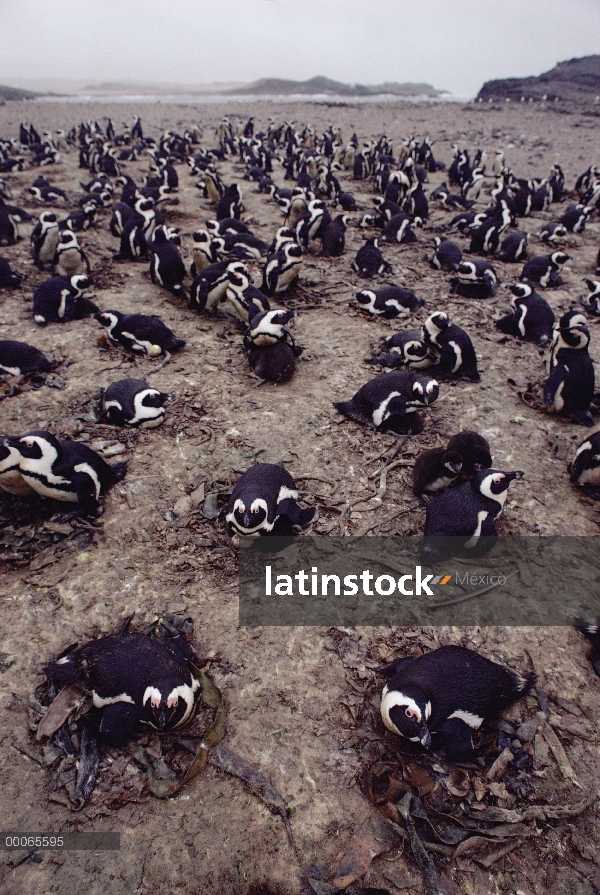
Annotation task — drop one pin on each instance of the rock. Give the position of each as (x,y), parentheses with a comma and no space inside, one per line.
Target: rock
(528,730)
(183,506)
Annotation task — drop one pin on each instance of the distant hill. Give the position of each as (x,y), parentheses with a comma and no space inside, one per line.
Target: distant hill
(282,87)
(8,93)
(575,79)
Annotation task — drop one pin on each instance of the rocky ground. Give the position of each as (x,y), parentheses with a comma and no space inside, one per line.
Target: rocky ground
(301,701)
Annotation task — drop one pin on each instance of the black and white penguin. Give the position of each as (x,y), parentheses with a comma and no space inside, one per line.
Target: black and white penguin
(67,470)
(44,238)
(166,267)
(245,246)
(8,278)
(473,450)
(131,402)
(545,269)
(532,318)
(244,299)
(514,246)
(389,302)
(399,229)
(369,261)
(553,233)
(457,356)
(282,269)
(485,238)
(268,328)
(592,299)
(576,217)
(230,203)
(69,258)
(406,349)
(61,299)
(282,236)
(390,401)
(79,219)
(449,692)
(133,679)
(569,389)
(333,236)
(435,470)
(140,333)
(585,468)
(475,279)
(210,285)
(264,502)
(11,479)
(447,255)
(21,359)
(202,252)
(273,363)
(591,630)
(346,201)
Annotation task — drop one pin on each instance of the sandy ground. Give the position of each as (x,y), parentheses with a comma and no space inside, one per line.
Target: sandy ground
(287,690)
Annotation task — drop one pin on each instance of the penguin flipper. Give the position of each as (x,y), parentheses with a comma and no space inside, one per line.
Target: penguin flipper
(457,740)
(349,409)
(295,513)
(118,721)
(392,668)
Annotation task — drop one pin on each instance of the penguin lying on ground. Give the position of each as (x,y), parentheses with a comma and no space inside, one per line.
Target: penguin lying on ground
(210,285)
(133,679)
(553,233)
(264,502)
(532,318)
(131,402)
(11,479)
(435,470)
(21,359)
(8,278)
(406,349)
(575,218)
(569,389)
(447,255)
(545,269)
(450,691)
(475,279)
(66,470)
(473,450)
(389,402)
(457,356)
(514,246)
(591,630)
(60,299)
(369,261)
(585,468)
(140,333)
(592,299)
(389,302)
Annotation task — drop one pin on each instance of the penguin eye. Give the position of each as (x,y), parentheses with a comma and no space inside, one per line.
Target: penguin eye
(410,713)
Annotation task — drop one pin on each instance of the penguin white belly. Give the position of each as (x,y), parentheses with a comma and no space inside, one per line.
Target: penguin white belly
(458,354)
(589,477)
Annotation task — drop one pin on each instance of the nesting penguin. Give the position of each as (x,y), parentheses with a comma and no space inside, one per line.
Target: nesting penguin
(8,278)
(406,349)
(475,279)
(140,333)
(569,389)
(166,267)
(133,679)
(264,502)
(585,468)
(66,470)
(369,262)
(282,270)
(21,359)
(575,218)
(553,233)
(545,269)
(390,401)
(11,480)
(333,236)
(131,402)
(592,299)
(450,692)
(447,255)
(591,630)
(473,450)
(457,356)
(244,299)
(514,246)
(435,470)
(389,302)
(61,299)
(532,318)
(269,354)
(210,285)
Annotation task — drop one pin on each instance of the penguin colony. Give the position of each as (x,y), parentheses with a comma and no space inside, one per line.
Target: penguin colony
(229,270)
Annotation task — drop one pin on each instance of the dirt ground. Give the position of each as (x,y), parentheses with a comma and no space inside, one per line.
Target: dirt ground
(292,694)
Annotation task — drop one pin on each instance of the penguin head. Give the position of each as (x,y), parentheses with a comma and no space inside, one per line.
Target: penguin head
(160,236)
(594,288)
(425,391)
(211,226)
(238,279)
(452,461)
(48,218)
(68,239)
(367,219)
(436,323)
(108,318)
(557,259)
(572,331)
(201,237)
(249,514)
(80,282)
(167,703)
(466,270)
(39,446)
(292,250)
(494,484)
(10,454)
(405,711)
(520,290)
(366,298)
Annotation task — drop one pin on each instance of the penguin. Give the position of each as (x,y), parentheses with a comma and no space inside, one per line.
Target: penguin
(435,470)
(390,401)
(60,299)
(264,502)
(416,204)
(475,279)
(449,692)
(592,299)
(585,468)
(245,300)
(532,318)
(268,328)
(281,271)
(230,203)
(473,450)
(202,252)
(544,269)
(457,356)
(8,278)
(514,246)
(140,333)
(485,238)
(131,402)
(575,218)
(9,228)
(227,225)
(166,267)
(67,470)
(48,194)
(569,389)
(406,349)
(346,201)
(273,363)
(132,679)
(44,239)
(457,518)
(399,229)
(210,285)
(389,302)
(369,261)
(591,630)
(11,480)
(282,236)
(79,219)
(447,255)
(21,359)
(333,236)
(70,259)
(244,246)
(553,233)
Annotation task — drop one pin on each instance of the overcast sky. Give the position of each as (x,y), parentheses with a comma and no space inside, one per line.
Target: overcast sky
(453,44)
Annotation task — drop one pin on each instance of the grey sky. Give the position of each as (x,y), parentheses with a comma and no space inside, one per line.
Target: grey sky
(452,44)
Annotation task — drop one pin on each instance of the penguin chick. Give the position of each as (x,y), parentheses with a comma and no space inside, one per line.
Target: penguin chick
(133,679)
(333,236)
(389,402)
(140,333)
(69,259)
(447,255)
(532,318)
(131,402)
(264,502)
(457,356)
(369,262)
(389,302)
(450,691)
(435,470)
(408,349)
(273,363)
(473,450)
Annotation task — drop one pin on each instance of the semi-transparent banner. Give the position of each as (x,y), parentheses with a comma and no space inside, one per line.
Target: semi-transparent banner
(417,581)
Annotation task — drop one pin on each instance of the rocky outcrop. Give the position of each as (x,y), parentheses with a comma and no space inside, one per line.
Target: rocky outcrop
(321,85)
(574,80)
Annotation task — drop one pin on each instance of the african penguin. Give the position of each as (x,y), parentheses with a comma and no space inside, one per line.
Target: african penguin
(575,218)
(210,285)
(389,302)
(408,349)
(545,269)
(166,267)
(399,229)
(475,279)
(369,262)
(390,401)
(21,359)
(44,238)
(60,299)
(569,389)
(585,468)
(592,299)
(268,328)
(202,253)
(514,246)
(244,299)
(133,679)
(281,270)
(447,255)
(449,691)
(473,450)
(435,470)
(11,479)
(8,278)
(264,502)
(131,402)
(140,333)
(456,352)
(333,236)
(591,630)
(532,318)
(553,233)
(69,258)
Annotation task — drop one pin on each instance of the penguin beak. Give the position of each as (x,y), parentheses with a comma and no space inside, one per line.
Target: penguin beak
(514,475)
(424,735)
(161,718)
